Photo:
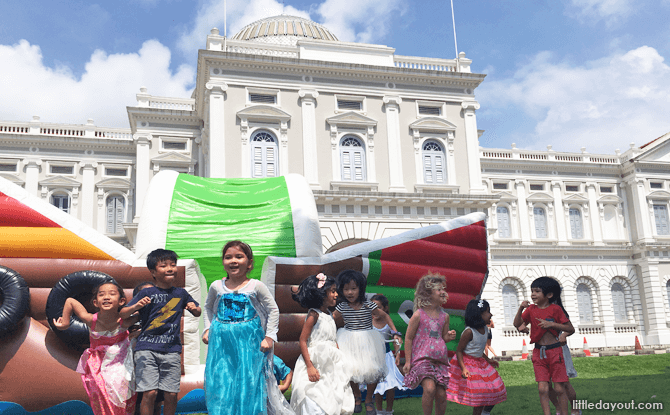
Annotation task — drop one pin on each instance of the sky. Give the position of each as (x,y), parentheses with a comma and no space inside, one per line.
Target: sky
(566,73)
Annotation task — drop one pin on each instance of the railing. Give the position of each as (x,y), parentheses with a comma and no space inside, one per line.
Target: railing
(64,130)
(590,329)
(181,104)
(550,156)
(14,129)
(625,328)
(512,332)
(497,154)
(414,62)
(113,134)
(265,49)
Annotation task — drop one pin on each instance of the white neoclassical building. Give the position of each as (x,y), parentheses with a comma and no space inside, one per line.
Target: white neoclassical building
(387,143)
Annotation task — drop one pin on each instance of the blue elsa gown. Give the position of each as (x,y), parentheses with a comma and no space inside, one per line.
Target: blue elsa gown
(235,380)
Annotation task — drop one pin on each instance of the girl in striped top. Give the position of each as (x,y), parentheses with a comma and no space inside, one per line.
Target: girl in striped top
(360,343)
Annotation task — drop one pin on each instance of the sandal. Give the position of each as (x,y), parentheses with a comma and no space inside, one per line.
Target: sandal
(358,408)
(369,411)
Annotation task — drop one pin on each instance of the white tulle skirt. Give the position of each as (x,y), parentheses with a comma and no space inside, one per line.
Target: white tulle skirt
(394,379)
(366,353)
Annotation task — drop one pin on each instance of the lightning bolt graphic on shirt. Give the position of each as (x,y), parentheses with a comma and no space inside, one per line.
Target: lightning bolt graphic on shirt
(166,312)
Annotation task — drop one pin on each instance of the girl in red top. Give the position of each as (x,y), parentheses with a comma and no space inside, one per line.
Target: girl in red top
(547,318)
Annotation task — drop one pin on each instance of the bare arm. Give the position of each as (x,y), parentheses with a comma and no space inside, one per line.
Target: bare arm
(409,338)
(466,337)
(126,312)
(286,382)
(73,306)
(518,321)
(194,309)
(448,335)
(312,372)
(566,327)
(382,315)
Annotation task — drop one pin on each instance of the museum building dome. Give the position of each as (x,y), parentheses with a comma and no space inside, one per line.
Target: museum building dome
(284,30)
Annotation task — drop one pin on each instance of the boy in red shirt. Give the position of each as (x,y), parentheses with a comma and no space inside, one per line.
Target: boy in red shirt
(547,318)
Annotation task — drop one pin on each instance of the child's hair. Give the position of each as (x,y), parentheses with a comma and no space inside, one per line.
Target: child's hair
(158,255)
(139,287)
(113,282)
(550,285)
(346,277)
(309,295)
(242,247)
(425,287)
(382,300)
(473,313)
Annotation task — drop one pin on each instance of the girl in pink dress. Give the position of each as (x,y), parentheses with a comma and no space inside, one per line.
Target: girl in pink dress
(106,367)
(473,381)
(427,362)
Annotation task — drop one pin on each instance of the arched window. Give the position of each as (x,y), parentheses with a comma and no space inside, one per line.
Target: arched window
(61,201)
(504,230)
(510,303)
(352,157)
(264,155)
(433,163)
(576,228)
(540,216)
(115,213)
(610,227)
(619,303)
(661,219)
(584,304)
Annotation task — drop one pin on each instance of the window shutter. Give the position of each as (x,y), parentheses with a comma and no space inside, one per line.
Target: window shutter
(584,304)
(540,223)
(439,168)
(504,230)
(619,304)
(661,219)
(510,303)
(110,215)
(576,224)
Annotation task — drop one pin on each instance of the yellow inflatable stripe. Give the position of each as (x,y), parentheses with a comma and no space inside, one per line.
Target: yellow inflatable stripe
(46,243)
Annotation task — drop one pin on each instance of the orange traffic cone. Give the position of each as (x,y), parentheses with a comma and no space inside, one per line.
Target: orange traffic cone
(524,351)
(587,352)
(638,346)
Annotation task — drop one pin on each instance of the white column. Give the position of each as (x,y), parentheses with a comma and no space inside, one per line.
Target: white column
(310,165)
(217,129)
(32,175)
(641,210)
(370,152)
(652,288)
(524,223)
(624,212)
(88,192)
(560,215)
(334,152)
(472,146)
(451,159)
(142,172)
(595,214)
(392,104)
(283,148)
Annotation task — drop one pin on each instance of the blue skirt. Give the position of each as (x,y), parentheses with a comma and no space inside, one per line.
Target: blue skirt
(234,377)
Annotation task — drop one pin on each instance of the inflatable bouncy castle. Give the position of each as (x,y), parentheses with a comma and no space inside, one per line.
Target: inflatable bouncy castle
(47,255)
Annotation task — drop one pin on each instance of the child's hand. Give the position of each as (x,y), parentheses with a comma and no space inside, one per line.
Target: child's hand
(465,374)
(545,324)
(563,338)
(205,337)
(406,368)
(190,306)
(313,374)
(266,344)
(523,329)
(397,359)
(451,335)
(61,324)
(494,363)
(525,303)
(143,302)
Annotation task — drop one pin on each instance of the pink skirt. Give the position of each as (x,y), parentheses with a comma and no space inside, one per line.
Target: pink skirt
(484,387)
(438,371)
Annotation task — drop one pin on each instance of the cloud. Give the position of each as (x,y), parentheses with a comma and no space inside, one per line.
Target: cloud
(350,20)
(109,84)
(602,105)
(611,11)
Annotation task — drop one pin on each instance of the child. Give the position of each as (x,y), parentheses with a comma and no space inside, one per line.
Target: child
(427,361)
(283,374)
(158,349)
(135,331)
(362,345)
(547,318)
(106,367)
(240,328)
(473,381)
(394,379)
(321,382)
(488,341)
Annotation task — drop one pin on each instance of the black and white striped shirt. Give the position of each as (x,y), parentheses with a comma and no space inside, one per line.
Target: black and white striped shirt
(357,319)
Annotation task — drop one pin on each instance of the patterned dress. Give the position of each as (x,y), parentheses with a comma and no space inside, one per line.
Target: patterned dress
(429,352)
(107,371)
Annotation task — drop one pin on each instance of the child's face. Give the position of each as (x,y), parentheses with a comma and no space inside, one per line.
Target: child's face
(351,291)
(439,295)
(236,263)
(165,273)
(486,316)
(538,296)
(108,298)
(331,297)
(380,306)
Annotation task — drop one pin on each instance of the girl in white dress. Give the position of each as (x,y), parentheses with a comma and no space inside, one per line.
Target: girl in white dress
(321,375)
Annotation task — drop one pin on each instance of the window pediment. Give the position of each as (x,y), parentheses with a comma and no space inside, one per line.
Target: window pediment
(507,197)
(427,124)
(12,178)
(173,158)
(114,184)
(263,113)
(540,198)
(576,199)
(658,195)
(59,181)
(610,200)
(351,118)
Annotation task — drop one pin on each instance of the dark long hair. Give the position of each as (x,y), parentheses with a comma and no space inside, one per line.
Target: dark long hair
(309,295)
(550,285)
(473,313)
(348,275)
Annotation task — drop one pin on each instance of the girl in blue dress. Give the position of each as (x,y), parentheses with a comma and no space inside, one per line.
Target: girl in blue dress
(240,329)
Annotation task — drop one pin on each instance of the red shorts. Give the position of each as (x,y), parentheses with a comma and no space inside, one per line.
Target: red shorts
(551,368)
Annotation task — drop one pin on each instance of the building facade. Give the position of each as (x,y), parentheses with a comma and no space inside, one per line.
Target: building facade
(387,143)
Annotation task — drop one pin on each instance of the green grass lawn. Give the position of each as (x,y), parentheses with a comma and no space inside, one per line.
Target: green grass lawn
(618,379)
